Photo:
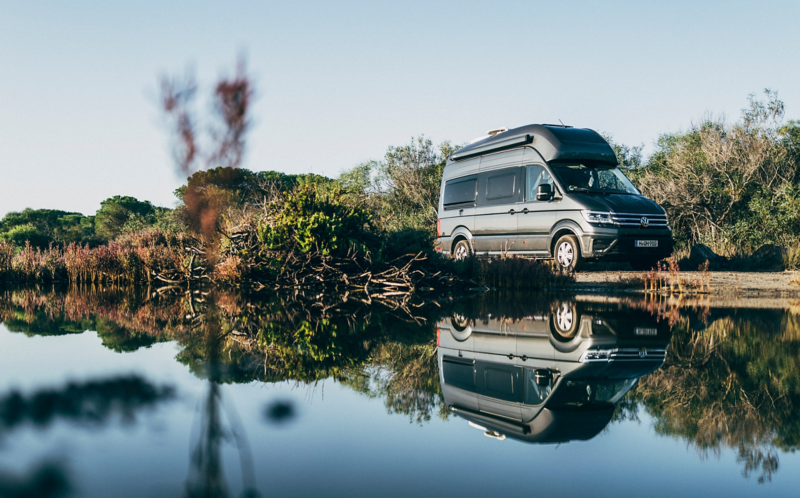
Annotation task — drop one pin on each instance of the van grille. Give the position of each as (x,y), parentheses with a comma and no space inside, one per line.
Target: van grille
(623,354)
(639,220)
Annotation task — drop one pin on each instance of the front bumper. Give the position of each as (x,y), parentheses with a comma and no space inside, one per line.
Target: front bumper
(620,244)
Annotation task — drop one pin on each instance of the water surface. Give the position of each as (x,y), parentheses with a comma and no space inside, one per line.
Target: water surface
(127,393)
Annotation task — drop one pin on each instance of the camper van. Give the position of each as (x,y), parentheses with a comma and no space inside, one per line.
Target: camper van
(547,191)
(553,375)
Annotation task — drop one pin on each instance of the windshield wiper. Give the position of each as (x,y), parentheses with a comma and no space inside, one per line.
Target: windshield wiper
(573,188)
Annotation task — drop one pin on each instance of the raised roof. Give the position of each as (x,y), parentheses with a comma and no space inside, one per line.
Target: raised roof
(552,142)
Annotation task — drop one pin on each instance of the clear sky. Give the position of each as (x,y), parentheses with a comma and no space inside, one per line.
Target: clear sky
(338,82)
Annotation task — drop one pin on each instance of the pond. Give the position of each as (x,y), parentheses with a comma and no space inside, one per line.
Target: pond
(129,392)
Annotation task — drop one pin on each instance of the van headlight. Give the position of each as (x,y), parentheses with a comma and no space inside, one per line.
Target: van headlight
(600,217)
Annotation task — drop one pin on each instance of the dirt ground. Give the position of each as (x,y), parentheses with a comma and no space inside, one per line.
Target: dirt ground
(723,283)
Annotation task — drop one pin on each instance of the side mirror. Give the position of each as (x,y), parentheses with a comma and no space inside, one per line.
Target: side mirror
(544,192)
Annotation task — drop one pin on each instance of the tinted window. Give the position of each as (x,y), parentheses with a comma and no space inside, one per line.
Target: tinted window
(459,373)
(460,191)
(499,381)
(500,186)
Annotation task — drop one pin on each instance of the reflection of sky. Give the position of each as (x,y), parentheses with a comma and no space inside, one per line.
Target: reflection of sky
(342,443)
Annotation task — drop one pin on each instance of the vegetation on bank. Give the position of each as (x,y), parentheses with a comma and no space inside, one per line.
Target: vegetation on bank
(731,186)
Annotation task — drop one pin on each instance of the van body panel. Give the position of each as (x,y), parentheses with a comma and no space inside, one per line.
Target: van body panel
(499,191)
(461,168)
(535,218)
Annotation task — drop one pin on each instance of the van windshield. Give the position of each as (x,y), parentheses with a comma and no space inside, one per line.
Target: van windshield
(593,178)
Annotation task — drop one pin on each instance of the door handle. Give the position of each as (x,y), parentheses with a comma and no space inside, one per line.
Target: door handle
(511,211)
(525,211)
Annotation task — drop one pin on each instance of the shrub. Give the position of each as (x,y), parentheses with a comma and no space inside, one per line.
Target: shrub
(312,218)
(6,256)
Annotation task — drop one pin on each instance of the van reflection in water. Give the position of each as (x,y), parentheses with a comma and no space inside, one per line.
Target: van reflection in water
(551,377)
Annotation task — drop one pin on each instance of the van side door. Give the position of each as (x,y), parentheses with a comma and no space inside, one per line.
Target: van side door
(500,386)
(536,218)
(499,192)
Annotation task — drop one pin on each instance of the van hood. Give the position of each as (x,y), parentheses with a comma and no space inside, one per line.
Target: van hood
(618,203)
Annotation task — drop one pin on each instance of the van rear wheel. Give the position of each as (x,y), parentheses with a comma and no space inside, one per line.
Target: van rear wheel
(461,251)
(568,253)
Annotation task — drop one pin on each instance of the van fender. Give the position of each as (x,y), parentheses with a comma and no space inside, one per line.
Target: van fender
(563,227)
(460,232)
(460,327)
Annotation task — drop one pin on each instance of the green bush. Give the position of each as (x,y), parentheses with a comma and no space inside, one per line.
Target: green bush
(311,218)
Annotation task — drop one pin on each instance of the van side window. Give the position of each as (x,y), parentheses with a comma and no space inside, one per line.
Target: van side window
(460,192)
(535,176)
(500,186)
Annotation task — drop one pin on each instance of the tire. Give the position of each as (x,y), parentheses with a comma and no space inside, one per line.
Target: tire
(462,250)
(565,322)
(567,253)
(459,322)
(644,264)
(565,327)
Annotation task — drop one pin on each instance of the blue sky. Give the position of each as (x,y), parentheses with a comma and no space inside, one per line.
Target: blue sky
(338,82)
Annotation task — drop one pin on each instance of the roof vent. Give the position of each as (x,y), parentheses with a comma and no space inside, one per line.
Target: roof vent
(496,131)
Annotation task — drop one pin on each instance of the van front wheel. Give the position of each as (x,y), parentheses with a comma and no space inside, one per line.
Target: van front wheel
(568,253)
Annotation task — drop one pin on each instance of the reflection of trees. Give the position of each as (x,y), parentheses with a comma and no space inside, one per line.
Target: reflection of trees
(123,318)
(734,383)
(379,350)
(92,403)
(406,377)
(206,477)
(46,480)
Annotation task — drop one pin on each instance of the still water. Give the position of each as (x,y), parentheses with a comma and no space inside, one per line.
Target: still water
(108,392)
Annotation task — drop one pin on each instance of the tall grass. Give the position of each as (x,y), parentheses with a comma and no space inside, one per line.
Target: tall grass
(513,273)
(130,258)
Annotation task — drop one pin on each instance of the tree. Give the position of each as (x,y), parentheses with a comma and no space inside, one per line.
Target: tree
(116,211)
(706,178)
(41,227)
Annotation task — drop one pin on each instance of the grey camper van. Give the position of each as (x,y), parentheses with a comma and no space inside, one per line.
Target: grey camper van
(547,191)
(552,376)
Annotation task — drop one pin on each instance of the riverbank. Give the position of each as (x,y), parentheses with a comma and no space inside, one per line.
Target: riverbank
(724,283)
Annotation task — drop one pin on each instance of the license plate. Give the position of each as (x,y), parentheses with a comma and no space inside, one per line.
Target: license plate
(646,243)
(645,331)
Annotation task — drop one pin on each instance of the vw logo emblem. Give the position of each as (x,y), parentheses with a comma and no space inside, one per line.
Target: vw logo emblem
(644,221)
(642,353)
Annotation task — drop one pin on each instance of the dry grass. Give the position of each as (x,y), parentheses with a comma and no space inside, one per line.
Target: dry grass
(130,258)
(515,273)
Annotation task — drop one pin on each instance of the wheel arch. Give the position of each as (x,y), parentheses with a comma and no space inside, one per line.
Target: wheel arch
(460,233)
(564,228)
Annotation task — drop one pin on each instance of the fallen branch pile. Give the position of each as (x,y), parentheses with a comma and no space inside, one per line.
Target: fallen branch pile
(401,276)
